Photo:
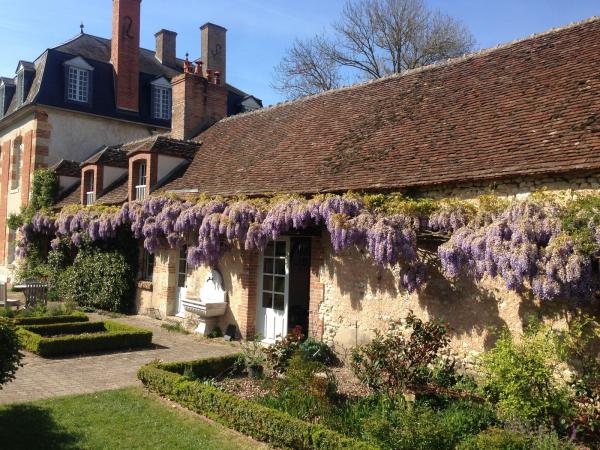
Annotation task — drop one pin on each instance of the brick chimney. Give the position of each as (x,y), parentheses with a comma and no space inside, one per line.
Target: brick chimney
(166,47)
(125,53)
(214,48)
(198,102)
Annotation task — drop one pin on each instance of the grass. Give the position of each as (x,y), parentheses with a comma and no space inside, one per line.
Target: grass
(119,419)
(175,327)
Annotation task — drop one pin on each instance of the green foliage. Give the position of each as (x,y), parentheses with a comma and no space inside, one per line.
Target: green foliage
(44,189)
(520,378)
(98,279)
(252,359)
(52,319)
(319,351)
(175,328)
(263,423)
(576,216)
(393,362)
(74,338)
(279,353)
(500,439)
(204,368)
(215,333)
(10,356)
(306,391)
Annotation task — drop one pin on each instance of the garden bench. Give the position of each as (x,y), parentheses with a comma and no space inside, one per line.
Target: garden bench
(36,293)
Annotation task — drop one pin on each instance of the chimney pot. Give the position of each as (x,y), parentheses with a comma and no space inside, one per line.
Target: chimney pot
(166,47)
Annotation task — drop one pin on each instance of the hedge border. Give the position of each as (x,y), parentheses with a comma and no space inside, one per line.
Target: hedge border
(258,421)
(117,336)
(41,320)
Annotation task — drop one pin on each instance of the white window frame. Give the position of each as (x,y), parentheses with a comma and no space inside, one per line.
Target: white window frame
(141,179)
(161,99)
(78,80)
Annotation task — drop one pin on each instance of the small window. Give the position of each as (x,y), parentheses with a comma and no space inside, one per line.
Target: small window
(16,163)
(20,88)
(147,265)
(182,267)
(78,84)
(141,178)
(161,102)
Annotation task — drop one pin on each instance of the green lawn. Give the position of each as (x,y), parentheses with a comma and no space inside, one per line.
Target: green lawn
(120,419)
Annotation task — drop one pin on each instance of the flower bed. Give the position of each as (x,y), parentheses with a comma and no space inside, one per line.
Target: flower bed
(42,320)
(83,337)
(261,422)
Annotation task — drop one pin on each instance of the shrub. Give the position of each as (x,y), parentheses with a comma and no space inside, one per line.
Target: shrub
(317,351)
(70,338)
(75,317)
(392,362)
(98,279)
(520,377)
(262,423)
(278,354)
(306,391)
(252,359)
(501,439)
(10,356)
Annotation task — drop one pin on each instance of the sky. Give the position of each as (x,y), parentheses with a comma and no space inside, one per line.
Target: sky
(259,31)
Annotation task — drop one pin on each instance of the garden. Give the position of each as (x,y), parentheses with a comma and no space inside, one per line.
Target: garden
(401,391)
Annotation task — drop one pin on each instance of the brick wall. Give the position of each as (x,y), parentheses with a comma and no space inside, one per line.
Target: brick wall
(96,173)
(197,103)
(316,292)
(125,49)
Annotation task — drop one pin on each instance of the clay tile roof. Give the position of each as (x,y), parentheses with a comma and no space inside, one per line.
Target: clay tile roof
(109,156)
(529,107)
(164,145)
(116,193)
(71,196)
(67,168)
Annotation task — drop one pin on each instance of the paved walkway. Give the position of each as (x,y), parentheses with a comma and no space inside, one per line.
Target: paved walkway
(43,378)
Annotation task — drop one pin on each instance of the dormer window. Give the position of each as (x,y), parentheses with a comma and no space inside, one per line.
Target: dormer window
(78,80)
(88,185)
(161,99)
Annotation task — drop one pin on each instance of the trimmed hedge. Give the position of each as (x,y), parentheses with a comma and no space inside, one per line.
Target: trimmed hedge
(260,422)
(82,337)
(75,317)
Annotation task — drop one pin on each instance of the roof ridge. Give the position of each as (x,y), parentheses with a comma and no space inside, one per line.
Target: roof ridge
(439,64)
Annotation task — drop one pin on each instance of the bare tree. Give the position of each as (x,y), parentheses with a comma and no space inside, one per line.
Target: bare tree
(372,38)
(306,69)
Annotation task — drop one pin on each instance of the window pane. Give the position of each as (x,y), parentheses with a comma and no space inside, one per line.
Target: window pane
(268,265)
(267,300)
(280,249)
(268,282)
(279,302)
(270,249)
(279,284)
(181,280)
(280,266)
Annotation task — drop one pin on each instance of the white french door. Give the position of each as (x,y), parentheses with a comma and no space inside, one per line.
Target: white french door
(273,287)
(181,280)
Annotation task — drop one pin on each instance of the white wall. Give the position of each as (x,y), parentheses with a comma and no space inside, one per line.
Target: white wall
(166,164)
(111,174)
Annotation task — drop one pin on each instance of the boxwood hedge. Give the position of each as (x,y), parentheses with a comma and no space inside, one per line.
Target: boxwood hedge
(69,338)
(75,317)
(260,422)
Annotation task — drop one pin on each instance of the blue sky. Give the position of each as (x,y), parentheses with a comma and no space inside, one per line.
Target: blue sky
(259,30)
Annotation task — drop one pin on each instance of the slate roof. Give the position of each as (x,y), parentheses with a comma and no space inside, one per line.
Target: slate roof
(525,108)
(47,83)
(70,196)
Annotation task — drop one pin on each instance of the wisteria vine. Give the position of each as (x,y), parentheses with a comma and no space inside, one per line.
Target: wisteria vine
(523,242)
